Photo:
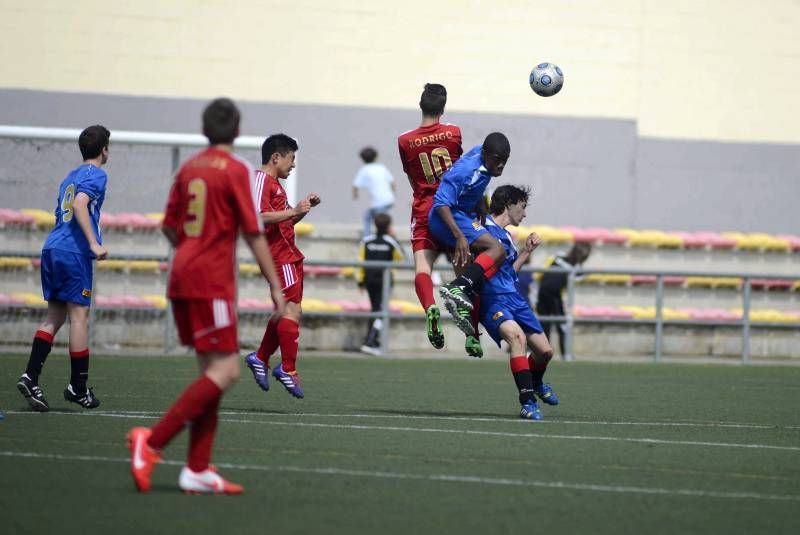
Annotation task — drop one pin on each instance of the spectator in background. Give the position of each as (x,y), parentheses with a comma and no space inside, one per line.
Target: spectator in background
(549,301)
(379,182)
(380,247)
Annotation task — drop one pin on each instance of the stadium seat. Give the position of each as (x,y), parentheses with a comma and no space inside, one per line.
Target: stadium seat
(15,262)
(113,265)
(250,304)
(303,229)
(157,300)
(41,218)
(547,233)
(713,282)
(318,305)
(651,238)
(12,217)
(322,271)
(794,241)
(147,266)
(606,278)
(605,312)
(771,284)
(641,280)
(247,268)
(29,299)
(406,307)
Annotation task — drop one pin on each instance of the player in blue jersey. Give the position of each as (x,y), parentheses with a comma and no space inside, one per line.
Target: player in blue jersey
(506,314)
(455,221)
(66,269)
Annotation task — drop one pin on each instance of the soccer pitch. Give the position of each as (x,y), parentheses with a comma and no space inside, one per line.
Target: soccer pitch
(418,446)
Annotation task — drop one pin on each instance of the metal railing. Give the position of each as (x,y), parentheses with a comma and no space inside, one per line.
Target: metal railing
(569,319)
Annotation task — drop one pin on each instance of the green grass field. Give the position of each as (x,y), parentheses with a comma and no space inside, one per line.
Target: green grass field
(419,446)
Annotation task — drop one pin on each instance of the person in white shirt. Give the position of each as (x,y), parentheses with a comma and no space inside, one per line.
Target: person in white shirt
(379,182)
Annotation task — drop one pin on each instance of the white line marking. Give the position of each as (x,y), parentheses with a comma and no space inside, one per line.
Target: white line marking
(148,415)
(509,420)
(438,477)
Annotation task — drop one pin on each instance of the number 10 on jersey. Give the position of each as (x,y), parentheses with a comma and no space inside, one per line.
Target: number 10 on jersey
(435,166)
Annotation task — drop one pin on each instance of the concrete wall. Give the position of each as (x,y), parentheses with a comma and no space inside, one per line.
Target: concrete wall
(583,171)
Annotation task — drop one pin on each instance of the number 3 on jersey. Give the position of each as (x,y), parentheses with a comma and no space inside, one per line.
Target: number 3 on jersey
(441,163)
(66,203)
(196,209)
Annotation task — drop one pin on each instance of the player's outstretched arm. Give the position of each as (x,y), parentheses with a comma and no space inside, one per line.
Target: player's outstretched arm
(81,209)
(531,243)
(258,245)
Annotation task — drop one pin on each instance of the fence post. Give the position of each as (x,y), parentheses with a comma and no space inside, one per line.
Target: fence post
(386,278)
(659,317)
(570,323)
(746,321)
(176,161)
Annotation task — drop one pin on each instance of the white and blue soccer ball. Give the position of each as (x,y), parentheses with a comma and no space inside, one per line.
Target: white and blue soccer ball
(546,79)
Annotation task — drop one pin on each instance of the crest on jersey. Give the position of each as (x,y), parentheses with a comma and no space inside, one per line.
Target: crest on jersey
(497,315)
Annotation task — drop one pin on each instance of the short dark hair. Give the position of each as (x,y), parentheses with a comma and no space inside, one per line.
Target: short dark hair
(433,99)
(368,154)
(497,143)
(507,195)
(280,143)
(382,222)
(221,121)
(93,140)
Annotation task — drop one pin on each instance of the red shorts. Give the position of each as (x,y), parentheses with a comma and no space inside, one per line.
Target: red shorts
(291,276)
(421,237)
(207,325)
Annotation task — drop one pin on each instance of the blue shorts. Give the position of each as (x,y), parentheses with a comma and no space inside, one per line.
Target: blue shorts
(495,309)
(471,228)
(66,276)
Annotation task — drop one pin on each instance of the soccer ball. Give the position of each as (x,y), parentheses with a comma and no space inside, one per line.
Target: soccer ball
(546,79)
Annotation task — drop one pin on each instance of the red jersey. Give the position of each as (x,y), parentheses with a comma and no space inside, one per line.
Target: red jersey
(427,152)
(280,236)
(210,200)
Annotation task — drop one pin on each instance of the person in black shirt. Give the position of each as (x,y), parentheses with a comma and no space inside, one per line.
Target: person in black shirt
(549,301)
(378,246)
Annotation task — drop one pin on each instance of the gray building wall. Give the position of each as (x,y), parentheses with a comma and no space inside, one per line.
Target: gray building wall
(585,172)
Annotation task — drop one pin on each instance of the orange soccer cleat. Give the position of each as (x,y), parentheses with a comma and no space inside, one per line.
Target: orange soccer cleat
(206,482)
(143,457)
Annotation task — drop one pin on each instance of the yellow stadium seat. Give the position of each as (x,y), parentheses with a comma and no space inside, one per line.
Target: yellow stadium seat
(606,278)
(30,299)
(155,216)
(41,218)
(349,272)
(713,282)
(303,229)
(744,241)
(113,265)
(547,233)
(651,238)
(640,313)
(407,307)
(144,265)
(768,242)
(158,301)
(249,269)
(15,262)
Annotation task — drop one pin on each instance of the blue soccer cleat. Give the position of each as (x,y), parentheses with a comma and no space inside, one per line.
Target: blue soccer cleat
(546,394)
(259,369)
(290,381)
(530,411)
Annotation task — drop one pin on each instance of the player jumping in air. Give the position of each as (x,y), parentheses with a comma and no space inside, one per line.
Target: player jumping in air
(426,153)
(67,272)
(277,157)
(506,314)
(454,222)
(210,201)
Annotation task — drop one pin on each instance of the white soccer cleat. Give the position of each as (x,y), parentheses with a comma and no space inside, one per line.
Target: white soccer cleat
(206,482)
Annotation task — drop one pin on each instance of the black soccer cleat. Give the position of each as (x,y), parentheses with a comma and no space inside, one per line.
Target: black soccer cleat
(32,393)
(87,400)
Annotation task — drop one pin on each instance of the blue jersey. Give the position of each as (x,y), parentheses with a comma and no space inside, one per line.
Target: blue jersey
(505,280)
(67,234)
(463,184)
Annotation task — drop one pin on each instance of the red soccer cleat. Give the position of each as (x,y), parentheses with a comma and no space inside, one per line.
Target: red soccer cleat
(206,482)
(143,457)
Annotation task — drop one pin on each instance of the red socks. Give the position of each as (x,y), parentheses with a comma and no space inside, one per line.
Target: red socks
(44,336)
(269,343)
(424,287)
(193,403)
(201,438)
(519,364)
(536,366)
(488,265)
(288,337)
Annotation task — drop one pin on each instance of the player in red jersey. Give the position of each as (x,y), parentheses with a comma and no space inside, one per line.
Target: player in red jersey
(210,201)
(277,157)
(427,152)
